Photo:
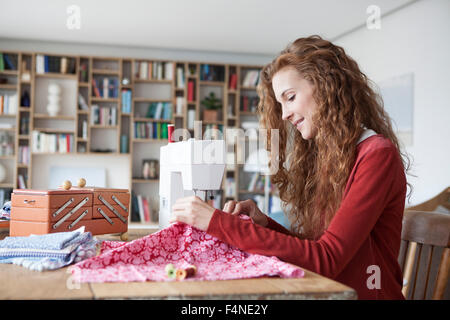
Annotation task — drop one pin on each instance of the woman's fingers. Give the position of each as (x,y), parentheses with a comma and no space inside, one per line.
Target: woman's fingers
(245,207)
(229,206)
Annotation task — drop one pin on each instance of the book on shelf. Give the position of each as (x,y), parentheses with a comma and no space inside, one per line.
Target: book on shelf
(190,118)
(212,73)
(123,143)
(21,182)
(159,110)
(146,207)
(141,209)
(24,125)
(84,128)
(52,142)
(150,130)
(179,105)
(191,89)
(106,116)
(55,64)
(180,77)
(233,82)
(8,104)
(154,70)
(249,103)
(126,101)
(8,61)
(24,155)
(251,78)
(230,187)
(82,105)
(105,87)
(253,180)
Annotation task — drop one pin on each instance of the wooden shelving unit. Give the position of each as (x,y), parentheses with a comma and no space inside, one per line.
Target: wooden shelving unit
(182,91)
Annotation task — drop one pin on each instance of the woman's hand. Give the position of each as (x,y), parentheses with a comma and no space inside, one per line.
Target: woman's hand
(192,211)
(247,207)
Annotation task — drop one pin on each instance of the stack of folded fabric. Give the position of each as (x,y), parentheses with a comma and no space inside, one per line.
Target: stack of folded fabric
(48,251)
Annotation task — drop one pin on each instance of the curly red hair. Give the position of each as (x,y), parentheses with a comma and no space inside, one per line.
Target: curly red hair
(312,174)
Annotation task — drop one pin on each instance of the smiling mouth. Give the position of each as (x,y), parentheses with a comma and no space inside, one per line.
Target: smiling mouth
(296,123)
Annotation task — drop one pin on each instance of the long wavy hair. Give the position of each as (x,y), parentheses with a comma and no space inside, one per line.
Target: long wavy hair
(312,174)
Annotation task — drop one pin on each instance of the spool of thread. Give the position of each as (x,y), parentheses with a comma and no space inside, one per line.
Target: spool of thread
(170,270)
(170,129)
(186,273)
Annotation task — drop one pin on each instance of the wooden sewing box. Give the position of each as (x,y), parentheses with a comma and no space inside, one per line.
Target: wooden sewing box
(100,210)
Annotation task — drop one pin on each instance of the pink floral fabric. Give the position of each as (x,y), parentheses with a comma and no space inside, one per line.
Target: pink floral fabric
(145,259)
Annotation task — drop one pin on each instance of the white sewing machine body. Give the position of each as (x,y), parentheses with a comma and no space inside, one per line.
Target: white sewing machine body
(187,168)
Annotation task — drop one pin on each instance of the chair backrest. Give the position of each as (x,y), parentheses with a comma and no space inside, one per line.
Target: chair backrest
(442,199)
(425,241)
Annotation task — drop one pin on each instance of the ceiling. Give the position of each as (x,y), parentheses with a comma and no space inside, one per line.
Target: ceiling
(239,26)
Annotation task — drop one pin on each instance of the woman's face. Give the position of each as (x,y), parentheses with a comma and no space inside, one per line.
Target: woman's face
(295,94)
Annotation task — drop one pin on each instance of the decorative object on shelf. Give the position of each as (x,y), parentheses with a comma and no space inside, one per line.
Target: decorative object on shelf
(212,104)
(2,173)
(150,169)
(26,75)
(54,99)
(25,99)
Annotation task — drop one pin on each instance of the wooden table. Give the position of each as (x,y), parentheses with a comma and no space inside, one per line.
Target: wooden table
(20,283)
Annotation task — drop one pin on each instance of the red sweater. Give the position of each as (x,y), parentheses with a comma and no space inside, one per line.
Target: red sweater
(365,230)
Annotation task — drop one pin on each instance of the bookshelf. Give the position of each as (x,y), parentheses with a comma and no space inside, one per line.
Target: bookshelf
(121,106)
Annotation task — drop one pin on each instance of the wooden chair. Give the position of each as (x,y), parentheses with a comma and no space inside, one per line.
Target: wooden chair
(425,235)
(442,199)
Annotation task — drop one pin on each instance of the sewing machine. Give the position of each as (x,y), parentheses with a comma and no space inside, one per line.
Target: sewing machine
(192,167)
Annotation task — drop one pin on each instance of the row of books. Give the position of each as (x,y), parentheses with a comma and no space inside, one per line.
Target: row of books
(8,104)
(212,73)
(160,110)
(24,155)
(45,64)
(107,87)
(52,142)
(154,70)
(249,104)
(257,182)
(106,116)
(141,209)
(150,130)
(126,101)
(251,78)
(8,61)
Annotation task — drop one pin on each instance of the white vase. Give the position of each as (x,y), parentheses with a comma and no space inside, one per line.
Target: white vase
(2,173)
(54,98)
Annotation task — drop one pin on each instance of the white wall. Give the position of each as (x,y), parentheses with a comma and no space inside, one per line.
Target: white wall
(415,39)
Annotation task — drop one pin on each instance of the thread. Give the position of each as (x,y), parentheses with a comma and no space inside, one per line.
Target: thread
(182,274)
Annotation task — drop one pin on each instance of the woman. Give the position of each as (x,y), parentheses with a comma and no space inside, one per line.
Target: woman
(340,171)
